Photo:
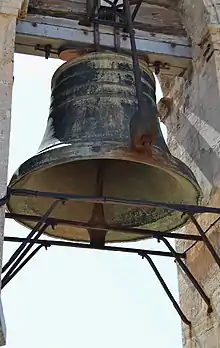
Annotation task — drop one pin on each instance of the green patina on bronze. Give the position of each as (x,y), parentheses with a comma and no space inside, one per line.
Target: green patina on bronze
(87,150)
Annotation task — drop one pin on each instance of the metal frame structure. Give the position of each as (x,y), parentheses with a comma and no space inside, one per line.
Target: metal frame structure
(105,26)
(120,18)
(19,258)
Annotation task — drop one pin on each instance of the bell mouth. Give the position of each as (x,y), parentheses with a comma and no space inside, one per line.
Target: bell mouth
(124,175)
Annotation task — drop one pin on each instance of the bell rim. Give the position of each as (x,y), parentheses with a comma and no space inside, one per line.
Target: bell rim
(119,153)
(58,159)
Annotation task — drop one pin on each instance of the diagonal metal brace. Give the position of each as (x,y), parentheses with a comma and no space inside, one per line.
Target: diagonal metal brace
(28,258)
(17,261)
(31,234)
(138,5)
(188,273)
(205,240)
(165,287)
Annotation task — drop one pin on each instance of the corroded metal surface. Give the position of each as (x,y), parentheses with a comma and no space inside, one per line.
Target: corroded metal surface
(87,150)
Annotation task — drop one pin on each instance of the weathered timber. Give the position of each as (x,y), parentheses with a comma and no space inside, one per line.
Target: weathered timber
(160,16)
(34,33)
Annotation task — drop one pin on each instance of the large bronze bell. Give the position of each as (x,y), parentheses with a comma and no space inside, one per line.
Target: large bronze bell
(96,143)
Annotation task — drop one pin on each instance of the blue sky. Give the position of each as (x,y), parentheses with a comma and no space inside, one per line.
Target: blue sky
(70,297)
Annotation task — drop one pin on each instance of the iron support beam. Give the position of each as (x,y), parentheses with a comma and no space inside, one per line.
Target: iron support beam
(209,228)
(34,33)
(166,289)
(134,54)
(36,228)
(206,240)
(122,229)
(188,273)
(28,258)
(18,259)
(49,243)
(184,208)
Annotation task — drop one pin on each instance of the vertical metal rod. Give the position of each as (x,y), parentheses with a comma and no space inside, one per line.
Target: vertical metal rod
(96,28)
(165,287)
(116,34)
(188,273)
(34,230)
(90,12)
(137,71)
(206,240)
(90,9)
(26,250)
(5,282)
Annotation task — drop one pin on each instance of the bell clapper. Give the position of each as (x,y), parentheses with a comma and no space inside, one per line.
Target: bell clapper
(97,237)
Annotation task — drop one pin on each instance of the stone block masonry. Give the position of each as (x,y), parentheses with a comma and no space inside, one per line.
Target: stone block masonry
(9,11)
(193,125)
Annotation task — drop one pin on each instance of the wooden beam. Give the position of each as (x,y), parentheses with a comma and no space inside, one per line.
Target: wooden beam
(36,32)
(156,16)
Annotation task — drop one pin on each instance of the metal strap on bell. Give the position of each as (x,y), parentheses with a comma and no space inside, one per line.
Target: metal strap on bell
(95,144)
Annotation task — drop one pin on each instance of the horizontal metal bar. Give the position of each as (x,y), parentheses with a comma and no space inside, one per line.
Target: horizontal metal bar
(184,208)
(48,243)
(122,229)
(38,31)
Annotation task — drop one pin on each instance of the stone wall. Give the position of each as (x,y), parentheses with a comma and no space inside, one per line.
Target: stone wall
(8,14)
(193,125)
